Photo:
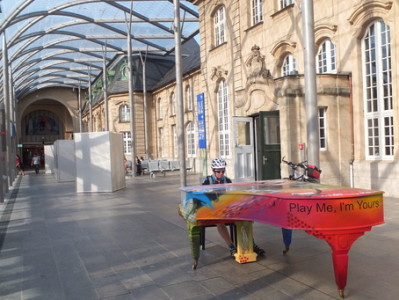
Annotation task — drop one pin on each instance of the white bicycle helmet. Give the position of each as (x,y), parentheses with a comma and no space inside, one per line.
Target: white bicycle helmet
(218,163)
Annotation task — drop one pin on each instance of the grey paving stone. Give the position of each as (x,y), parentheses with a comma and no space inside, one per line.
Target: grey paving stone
(223,289)
(131,244)
(85,293)
(109,286)
(186,290)
(165,272)
(133,277)
(149,292)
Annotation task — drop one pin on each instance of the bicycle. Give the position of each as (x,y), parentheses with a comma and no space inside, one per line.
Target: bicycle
(303,171)
(299,172)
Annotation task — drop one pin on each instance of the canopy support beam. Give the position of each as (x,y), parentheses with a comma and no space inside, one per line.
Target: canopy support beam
(146,134)
(105,87)
(7,101)
(90,103)
(310,84)
(131,92)
(179,95)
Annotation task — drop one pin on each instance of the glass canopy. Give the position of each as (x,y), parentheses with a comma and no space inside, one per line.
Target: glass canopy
(58,43)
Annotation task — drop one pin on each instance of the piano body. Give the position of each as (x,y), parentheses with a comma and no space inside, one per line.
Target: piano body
(338,215)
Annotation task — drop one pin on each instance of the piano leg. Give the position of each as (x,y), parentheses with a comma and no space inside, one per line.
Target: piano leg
(340,242)
(245,242)
(287,238)
(194,237)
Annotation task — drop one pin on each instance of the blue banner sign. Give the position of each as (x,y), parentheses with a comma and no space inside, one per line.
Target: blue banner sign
(201,121)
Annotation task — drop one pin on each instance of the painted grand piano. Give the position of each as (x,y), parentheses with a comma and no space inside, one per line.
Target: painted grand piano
(338,215)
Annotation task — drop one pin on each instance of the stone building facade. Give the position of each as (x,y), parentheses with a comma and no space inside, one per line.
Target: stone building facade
(252,52)
(158,117)
(250,72)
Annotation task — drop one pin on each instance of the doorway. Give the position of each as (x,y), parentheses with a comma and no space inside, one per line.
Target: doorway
(268,145)
(244,149)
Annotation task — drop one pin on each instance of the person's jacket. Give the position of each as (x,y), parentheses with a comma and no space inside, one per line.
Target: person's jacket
(212,180)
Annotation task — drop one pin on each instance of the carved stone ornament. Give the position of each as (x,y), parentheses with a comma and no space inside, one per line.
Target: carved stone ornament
(256,65)
(240,99)
(218,73)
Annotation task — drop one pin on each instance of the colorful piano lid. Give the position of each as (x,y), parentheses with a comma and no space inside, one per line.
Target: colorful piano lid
(282,188)
(285,203)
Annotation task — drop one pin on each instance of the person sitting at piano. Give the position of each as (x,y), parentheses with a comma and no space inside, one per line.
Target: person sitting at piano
(218,167)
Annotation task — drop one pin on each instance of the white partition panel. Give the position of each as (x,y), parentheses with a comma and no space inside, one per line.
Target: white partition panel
(64,160)
(99,162)
(49,162)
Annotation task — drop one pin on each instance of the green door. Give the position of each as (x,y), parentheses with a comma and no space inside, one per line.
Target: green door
(268,145)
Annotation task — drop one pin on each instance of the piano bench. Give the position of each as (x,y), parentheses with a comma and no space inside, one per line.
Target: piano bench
(233,234)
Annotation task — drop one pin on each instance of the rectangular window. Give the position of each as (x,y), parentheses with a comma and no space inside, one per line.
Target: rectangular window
(257,16)
(373,138)
(190,133)
(127,142)
(323,128)
(388,133)
(223,120)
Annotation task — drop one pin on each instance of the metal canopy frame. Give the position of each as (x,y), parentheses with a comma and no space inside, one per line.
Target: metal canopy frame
(54,43)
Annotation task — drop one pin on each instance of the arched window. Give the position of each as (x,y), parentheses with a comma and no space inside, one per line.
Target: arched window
(160,109)
(289,66)
(377,92)
(124,113)
(223,119)
(41,123)
(219,22)
(189,98)
(173,104)
(257,16)
(326,61)
(190,133)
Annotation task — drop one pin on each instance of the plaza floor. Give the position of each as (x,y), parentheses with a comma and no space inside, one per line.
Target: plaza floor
(131,244)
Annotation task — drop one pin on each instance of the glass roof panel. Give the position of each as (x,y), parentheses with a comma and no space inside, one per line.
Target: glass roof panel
(14,29)
(7,7)
(50,23)
(44,4)
(72,34)
(94,10)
